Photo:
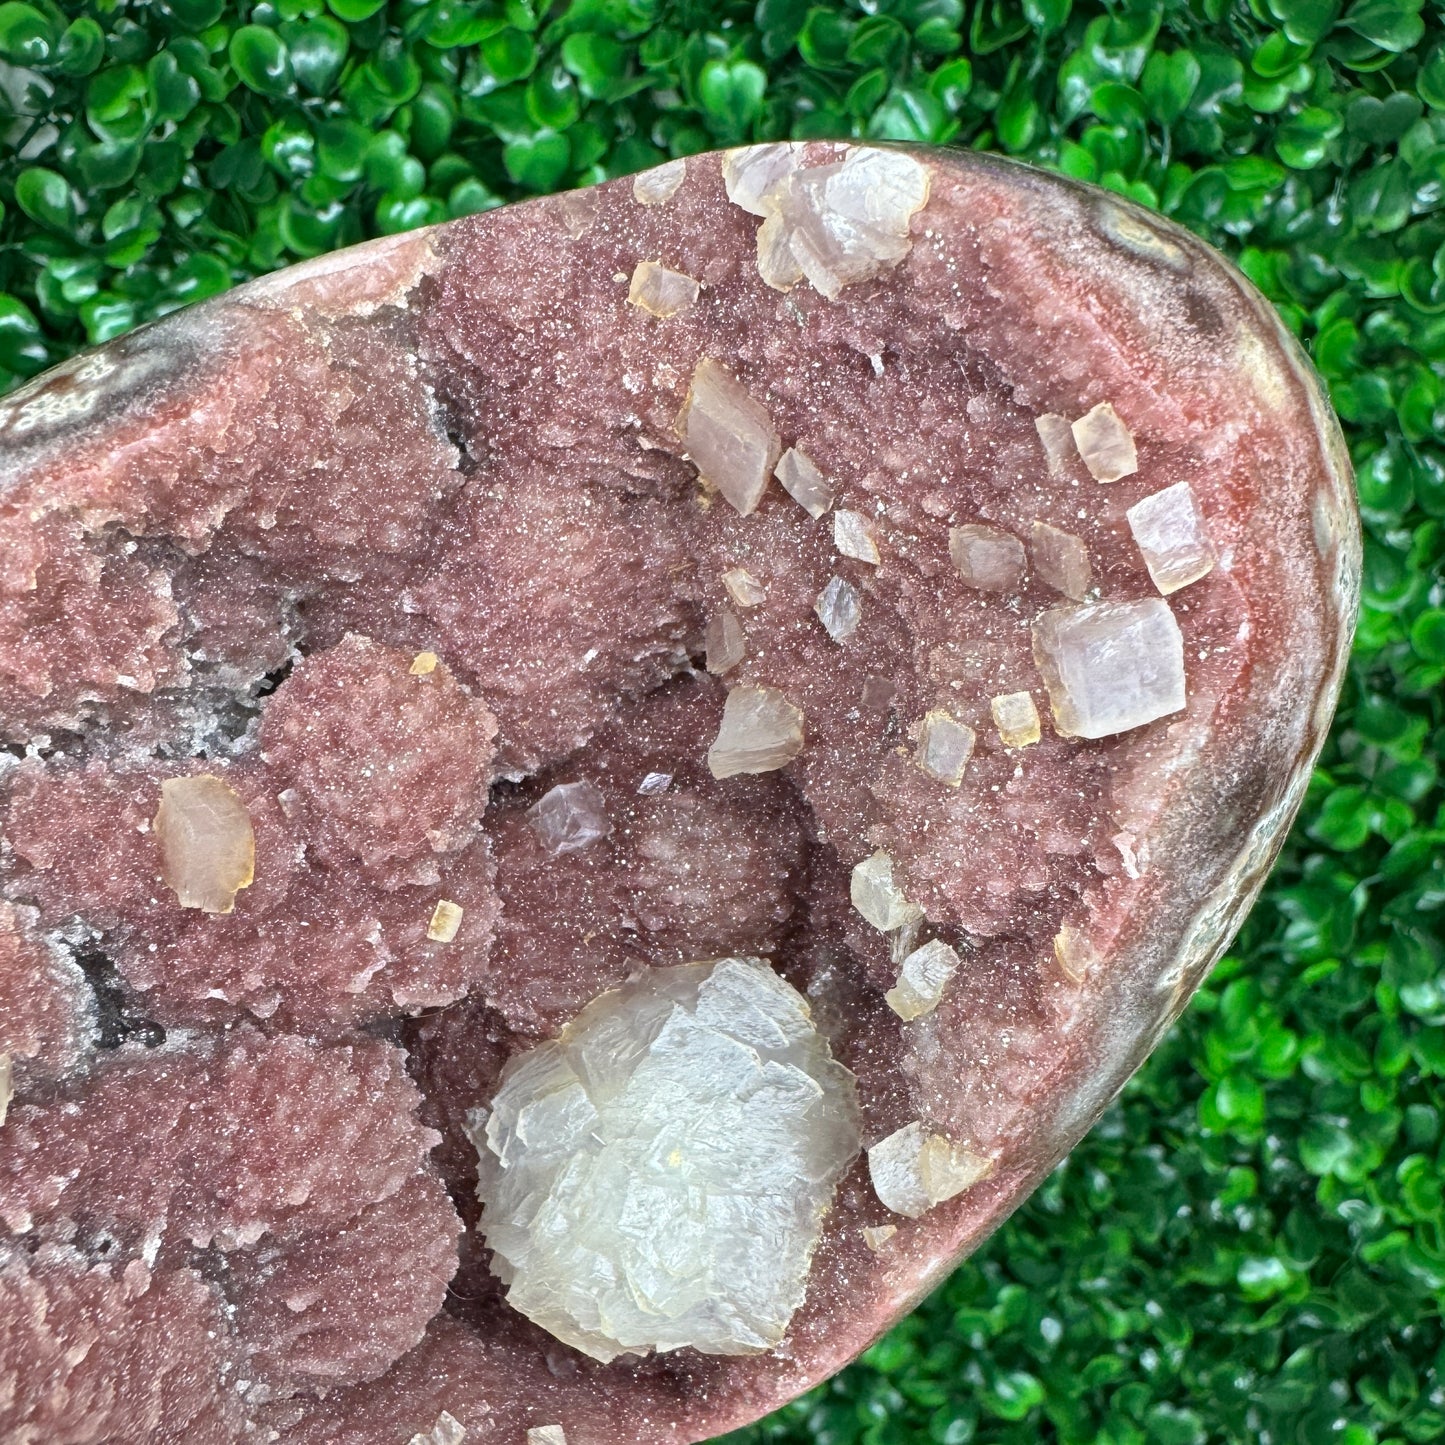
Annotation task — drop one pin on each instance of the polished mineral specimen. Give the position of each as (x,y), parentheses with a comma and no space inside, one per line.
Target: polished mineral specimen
(657,1176)
(455,565)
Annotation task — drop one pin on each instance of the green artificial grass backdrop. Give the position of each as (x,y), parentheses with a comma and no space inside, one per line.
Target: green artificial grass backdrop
(1250,1246)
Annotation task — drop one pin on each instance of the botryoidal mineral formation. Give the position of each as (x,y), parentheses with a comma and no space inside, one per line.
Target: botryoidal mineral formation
(594,794)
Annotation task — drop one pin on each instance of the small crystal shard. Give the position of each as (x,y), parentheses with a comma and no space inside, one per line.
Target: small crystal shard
(986,558)
(7,1085)
(546,1435)
(743,587)
(446,919)
(660,184)
(853,537)
(208,846)
(1061,560)
(569,817)
(839,609)
(661,292)
(654,784)
(922,979)
(1169,530)
(448,1430)
(1057,437)
(423,664)
(1110,666)
(944,747)
(1016,717)
(752,173)
(728,435)
(875,1236)
(804,483)
(878,898)
(724,642)
(761,731)
(657,1176)
(1073,952)
(1106,444)
(913,1170)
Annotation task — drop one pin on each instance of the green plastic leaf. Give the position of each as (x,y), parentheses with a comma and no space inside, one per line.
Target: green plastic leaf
(318,49)
(539,162)
(47,198)
(27,36)
(261,61)
(731,95)
(1168,84)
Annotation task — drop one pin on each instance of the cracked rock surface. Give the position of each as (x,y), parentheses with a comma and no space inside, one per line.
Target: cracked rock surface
(918,582)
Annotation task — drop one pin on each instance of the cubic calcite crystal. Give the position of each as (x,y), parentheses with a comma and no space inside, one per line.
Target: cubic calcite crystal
(728,435)
(760,731)
(1172,536)
(913,1170)
(656,1177)
(207,842)
(1112,666)
(922,978)
(986,557)
(454,564)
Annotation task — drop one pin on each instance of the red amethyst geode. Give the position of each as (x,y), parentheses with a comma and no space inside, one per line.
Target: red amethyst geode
(919,582)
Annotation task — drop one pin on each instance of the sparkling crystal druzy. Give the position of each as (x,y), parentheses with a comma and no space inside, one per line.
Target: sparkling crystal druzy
(920,582)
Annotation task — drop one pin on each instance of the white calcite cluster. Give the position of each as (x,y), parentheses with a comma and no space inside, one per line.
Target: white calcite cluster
(912,1170)
(833,225)
(1169,530)
(1110,666)
(657,1176)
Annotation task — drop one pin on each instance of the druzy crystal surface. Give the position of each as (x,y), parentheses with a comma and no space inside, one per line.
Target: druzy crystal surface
(928,577)
(657,1175)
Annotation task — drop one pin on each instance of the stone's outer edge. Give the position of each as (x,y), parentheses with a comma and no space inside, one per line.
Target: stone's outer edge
(356,281)
(1096,1059)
